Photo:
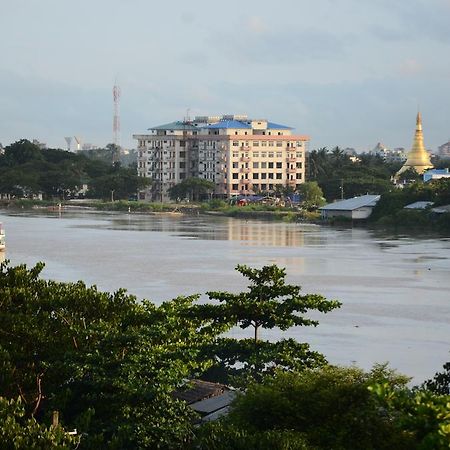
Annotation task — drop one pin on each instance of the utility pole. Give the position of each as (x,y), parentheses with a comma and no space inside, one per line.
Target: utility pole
(342,189)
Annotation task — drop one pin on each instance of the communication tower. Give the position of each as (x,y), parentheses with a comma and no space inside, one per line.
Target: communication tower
(116,122)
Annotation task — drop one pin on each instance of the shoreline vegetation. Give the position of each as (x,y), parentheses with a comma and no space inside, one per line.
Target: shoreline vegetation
(394,219)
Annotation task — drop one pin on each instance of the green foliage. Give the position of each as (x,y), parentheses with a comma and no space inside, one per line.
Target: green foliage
(26,170)
(311,194)
(422,414)
(192,188)
(338,176)
(440,383)
(18,432)
(269,303)
(329,408)
(107,363)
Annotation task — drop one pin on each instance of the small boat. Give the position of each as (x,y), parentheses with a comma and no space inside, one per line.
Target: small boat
(2,238)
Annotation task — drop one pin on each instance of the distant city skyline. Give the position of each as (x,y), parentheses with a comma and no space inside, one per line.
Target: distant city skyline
(345,72)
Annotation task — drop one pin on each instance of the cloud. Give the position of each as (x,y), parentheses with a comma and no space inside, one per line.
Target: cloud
(256,25)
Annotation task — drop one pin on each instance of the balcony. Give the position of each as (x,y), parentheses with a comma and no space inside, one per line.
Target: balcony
(291,160)
(292,182)
(291,170)
(245,170)
(246,182)
(245,159)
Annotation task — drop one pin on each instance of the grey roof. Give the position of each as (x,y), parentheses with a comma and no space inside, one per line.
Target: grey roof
(418,205)
(441,209)
(352,203)
(176,126)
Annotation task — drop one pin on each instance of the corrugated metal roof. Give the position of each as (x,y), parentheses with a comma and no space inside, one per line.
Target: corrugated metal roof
(276,126)
(230,124)
(418,205)
(441,209)
(198,390)
(352,203)
(176,126)
(212,404)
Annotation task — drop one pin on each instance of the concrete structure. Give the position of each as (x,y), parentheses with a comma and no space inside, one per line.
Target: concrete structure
(435,174)
(353,208)
(239,155)
(418,157)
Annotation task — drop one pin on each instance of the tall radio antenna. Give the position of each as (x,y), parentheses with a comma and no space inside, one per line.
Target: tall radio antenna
(116,121)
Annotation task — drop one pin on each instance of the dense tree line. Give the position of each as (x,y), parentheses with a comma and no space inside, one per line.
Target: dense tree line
(340,177)
(27,171)
(109,365)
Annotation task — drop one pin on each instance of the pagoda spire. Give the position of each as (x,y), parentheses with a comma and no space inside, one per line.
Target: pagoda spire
(418,158)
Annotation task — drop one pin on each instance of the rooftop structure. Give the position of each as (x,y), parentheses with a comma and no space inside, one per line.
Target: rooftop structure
(241,156)
(352,208)
(418,157)
(435,174)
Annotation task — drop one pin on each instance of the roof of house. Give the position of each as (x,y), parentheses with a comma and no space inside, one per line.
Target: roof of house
(178,125)
(441,209)
(352,203)
(418,205)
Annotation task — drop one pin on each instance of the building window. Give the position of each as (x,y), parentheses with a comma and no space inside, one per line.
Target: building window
(299,165)
(182,165)
(263,165)
(270,143)
(256,176)
(270,154)
(235,155)
(279,165)
(255,154)
(263,144)
(299,154)
(235,144)
(279,176)
(298,176)
(279,154)
(279,143)
(271,175)
(235,176)
(256,165)
(263,176)
(271,165)
(256,144)
(264,187)
(263,155)
(235,165)
(183,154)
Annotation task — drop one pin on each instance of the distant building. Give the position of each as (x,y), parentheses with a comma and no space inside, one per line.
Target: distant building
(388,155)
(444,150)
(241,156)
(418,157)
(435,174)
(89,146)
(352,208)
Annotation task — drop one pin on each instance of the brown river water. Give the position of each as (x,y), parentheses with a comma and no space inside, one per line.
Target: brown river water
(395,289)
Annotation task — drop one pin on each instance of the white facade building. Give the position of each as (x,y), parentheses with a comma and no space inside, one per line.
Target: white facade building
(240,156)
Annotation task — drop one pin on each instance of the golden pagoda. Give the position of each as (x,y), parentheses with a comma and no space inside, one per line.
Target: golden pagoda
(418,158)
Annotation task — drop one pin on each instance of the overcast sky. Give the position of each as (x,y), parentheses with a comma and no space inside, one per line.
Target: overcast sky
(346,72)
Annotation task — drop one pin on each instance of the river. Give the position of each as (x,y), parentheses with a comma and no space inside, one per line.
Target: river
(395,289)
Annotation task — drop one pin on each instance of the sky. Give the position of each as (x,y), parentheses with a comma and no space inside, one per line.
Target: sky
(345,72)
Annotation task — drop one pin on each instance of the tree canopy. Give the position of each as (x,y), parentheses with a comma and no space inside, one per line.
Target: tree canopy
(27,170)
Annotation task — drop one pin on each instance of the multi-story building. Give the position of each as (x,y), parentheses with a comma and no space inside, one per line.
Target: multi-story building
(391,156)
(239,155)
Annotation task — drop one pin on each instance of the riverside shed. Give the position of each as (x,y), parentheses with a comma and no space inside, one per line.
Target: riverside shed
(356,208)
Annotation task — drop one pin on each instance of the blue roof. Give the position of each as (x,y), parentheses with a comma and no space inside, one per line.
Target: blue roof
(229,124)
(276,126)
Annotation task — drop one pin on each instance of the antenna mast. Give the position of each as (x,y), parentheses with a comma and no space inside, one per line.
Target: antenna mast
(116,121)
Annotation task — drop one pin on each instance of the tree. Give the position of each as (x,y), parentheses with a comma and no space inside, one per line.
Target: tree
(327,408)
(311,194)
(107,363)
(192,188)
(269,303)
